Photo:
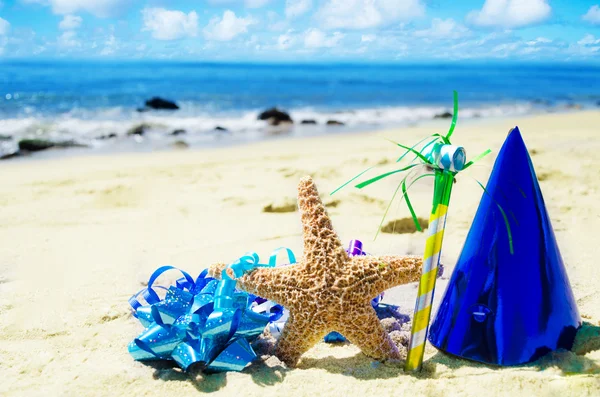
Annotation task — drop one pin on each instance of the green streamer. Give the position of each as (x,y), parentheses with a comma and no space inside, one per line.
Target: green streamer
(404,196)
(419,155)
(381,176)
(454,117)
(506,223)
(476,159)
(353,179)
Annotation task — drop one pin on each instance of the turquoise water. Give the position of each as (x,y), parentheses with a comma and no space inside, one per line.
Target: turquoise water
(84,100)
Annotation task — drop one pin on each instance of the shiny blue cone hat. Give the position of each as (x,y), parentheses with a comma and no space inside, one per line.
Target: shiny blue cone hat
(502,308)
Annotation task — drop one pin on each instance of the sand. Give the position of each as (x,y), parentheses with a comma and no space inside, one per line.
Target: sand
(81,234)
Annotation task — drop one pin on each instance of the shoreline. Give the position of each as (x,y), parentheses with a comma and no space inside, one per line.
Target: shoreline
(84,233)
(169,143)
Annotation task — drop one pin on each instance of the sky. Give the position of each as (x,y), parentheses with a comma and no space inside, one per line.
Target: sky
(301,30)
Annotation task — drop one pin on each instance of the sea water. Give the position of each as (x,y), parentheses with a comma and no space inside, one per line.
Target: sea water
(85,100)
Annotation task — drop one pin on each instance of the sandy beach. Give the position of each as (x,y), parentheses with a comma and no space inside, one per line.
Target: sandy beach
(81,234)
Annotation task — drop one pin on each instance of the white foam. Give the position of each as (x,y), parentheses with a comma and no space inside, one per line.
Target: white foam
(86,125)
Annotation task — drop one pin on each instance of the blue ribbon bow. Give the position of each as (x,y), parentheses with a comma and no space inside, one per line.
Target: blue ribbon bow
(203,321)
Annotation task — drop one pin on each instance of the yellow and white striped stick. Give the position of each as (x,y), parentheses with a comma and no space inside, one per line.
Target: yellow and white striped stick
(431,258)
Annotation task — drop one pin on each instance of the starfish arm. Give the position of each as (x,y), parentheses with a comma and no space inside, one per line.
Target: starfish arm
(277,284)
(301,332)
(362,328)
(379,273)
(216,269)
(321,243)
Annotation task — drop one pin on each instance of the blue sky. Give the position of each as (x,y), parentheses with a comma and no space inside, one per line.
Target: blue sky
(301,30)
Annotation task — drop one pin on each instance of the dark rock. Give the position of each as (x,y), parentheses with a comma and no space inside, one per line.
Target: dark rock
(36,145)
(445,115)
(275,116)
(334,122)
(161,104)
(139,129)
(308,122)
(178,132)
(109,136)
(6,156)
(180,145)
(273,121)
(5,137)
(68,144)
(219,128)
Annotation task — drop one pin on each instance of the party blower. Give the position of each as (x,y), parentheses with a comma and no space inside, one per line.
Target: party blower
(445,160)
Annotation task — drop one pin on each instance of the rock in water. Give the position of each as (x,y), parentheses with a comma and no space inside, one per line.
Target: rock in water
(178,132)
(219,128)
(445,115)
(138,129)
(109,136)
(35,145)
(5,137)
(180,145)
(275,116)
(334,122)
(161,104)
(308,122)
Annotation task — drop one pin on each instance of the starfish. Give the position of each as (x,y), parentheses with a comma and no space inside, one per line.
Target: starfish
(328,290)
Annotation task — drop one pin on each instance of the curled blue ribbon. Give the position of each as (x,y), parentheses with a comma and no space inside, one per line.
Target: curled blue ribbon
(202,321)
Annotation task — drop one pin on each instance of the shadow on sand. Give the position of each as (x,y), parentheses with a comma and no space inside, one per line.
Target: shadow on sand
(569,362)
(359,366)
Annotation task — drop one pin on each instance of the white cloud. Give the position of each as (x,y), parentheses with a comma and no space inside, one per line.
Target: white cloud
(315,38)
(510,13)
(111,45)
(444,29)
(286,40)
(363,14)
(70,22)
(99,8)
(593,15)
(169,24)
(4,27)
(588,46)
(539,40)
(367,38)
(68,40)
(227,28)
(276,23)
(588,39)
(295,8)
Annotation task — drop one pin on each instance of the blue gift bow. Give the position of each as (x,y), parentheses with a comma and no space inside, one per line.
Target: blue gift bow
(203,321)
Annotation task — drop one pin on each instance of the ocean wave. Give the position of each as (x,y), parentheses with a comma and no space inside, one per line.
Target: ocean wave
(91,124)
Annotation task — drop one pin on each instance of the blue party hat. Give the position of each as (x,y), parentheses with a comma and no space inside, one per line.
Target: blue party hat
(500,307)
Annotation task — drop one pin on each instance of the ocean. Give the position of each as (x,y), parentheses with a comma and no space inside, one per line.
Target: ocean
(86,102)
